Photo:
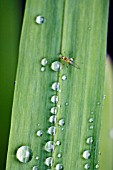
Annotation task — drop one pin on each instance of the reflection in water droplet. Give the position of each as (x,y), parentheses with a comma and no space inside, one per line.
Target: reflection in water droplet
(86,154)
(35,168)
(49,161)
(24,154)
(56,86)
(52,119)
(91,120)
(97,166)
(49,146)
(59,155)
(44,61)
(42,68)
(56,66)
(54,110)
(59,167)
(54,99)
(40,20)
(52,130)
(89,140)
(86,166)
(64,77)
(59,106)
(61,122)
(58,143)
(39,133)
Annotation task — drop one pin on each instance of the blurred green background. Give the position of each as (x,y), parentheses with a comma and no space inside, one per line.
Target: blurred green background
(11,15)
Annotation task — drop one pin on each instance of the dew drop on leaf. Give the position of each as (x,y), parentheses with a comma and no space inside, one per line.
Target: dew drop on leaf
(54,110)
(61,122)
(56,66)
(44,61)
(86,166)
(40,20)
(52,119)
(64,77)
(86,154)
(49,161)
(52,130)
(35,168)
(42,69)
(39,133)
(89,140)
(54,99)
(56,86)
(59,167)
(49,146)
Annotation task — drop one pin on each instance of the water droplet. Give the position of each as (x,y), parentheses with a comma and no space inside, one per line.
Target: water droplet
(49,161)
(97,166)
(59,167)
(59,155)
(64,77)
(37,157)
(39,133)
(49,146)
(54,110)
(91,127)
(86,154)
(35,168)
(92,113)
(24,154)
(42,68)
(111,133)
(44,61)
(61,122)
(86,166)
(56,86)
(89,140)
(66,103)
(52,119)
(52,130)
(104,97)
(59,106)
(98,103)
(56,66)
(40,20)
(54,99)
(91,120)
(58,143)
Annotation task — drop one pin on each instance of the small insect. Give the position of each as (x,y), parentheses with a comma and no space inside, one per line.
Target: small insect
(69,61)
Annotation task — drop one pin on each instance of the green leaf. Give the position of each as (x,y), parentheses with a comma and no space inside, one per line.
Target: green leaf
(72,27)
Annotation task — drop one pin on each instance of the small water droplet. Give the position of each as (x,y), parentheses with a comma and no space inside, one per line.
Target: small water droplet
(64,77)
(61,122)
(40,20)
(54,99)
(98,103)
(52,130)
(24,154)
(43,69)
(92,113)
(49,146)
(35,168)
(59,167)
(49,161)
(59,106)
(38,124)
(66,103)
(56,66)
(86,154)
(89,140)
(44,61)
(104,97)
(91,127)
(58,143)
(86,166)
(39,133)
(52,119)
(59,155)
(56,86)
(97,166)
(54,110)
(91,120)
(37,157)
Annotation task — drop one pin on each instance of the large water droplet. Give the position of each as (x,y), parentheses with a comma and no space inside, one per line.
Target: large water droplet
(54,110)
(49,146)
(59,167)
(56,66)
(86,154)
(24,154)
(54,99)
(35,168)
(61,122)
(40,20)
(64,77)
(44,61)
(52,130)
(52,119)
(39,133)
(49,161)
(86,166)
(91,120)
(58,143)
(89,140)
(56,86)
